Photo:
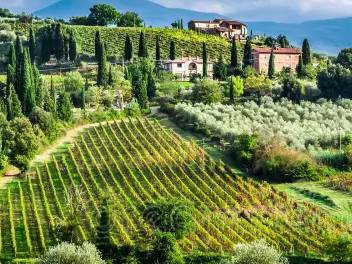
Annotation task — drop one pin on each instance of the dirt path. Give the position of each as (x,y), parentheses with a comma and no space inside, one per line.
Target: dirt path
(5,180)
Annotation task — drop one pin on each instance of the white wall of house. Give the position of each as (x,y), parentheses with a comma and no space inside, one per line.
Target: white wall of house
(184,68)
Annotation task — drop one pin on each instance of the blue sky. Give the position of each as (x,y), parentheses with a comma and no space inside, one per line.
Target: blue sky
(275,10)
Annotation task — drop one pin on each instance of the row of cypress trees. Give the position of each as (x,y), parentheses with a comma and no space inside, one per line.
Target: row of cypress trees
(55,41)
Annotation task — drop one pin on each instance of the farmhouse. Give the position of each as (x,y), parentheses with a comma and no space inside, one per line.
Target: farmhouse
(185,67)
(284,58)
(220,27)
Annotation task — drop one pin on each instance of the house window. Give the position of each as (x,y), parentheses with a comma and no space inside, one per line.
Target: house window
(192,67)
(179,65)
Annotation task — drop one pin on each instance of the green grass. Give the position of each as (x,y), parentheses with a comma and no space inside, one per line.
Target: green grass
(342,210)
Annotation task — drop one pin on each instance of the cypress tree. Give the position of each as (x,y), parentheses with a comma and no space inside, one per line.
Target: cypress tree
(12,56)
(13,105)
(59,43)
(306,55)
(231,90)
(220,69)
(151,86)
(72,48)
(10,75)
(102,76)
(66,49)
(205,60)
(139,85)
(234,54)
(271,69)
(97,45)
(247,54)
(18,48)
(299,68)
(50,99)
(27,87)
(143,50)
(85,88)
(64,107)
(172,50)
(31,45)
(182,23)
(157,50)
(110,77)
(19,57)
(37,85)
(128,49)
(103,240)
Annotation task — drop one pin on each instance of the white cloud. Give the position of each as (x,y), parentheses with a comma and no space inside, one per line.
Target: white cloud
(268,9)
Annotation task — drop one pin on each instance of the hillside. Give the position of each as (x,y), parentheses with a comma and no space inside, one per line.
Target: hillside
(137,162)
(328,36)
(153,14)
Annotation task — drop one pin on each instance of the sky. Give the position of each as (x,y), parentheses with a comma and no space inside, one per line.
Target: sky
(273,10)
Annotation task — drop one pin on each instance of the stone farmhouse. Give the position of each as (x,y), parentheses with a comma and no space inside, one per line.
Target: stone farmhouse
(183,68)
(283,58)
(220,27)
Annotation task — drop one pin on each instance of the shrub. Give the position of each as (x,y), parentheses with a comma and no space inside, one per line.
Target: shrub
(73,81)
(280,164)
(166,250)
(173,216)
(244,148)
(72,254)
(258,252)
(133,109)
(45,121)
(292,88)
(206,91)
(339,249)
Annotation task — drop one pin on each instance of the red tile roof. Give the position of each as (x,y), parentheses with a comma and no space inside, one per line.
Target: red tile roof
(277,50)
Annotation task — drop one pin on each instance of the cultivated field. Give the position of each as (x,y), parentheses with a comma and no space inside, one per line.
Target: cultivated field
(136,162)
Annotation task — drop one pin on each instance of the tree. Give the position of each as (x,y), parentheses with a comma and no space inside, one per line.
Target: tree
(172,54)
(27,94)
(220,69)
(128,49)
(247,54)
(271,69)
(12,56)
(50,99)
(103,15)
(158,50)
(151,86)
(103,240)
(73,82)
(84,89)
(292,88)
(102,76)
(13,104)
(170,215)
(182,23)
(235,86)
(130,19)
(45,121)
(234,55)
(306,55)
(299,68)
(110,77)
(205,60)
(345,58)
(97,45)
(283,41)
(166,250)
(244,148)
(64,107)
(18,48)
(270,41)
(59,43)
(143,50)
(72,47)
(206,91)
(258,252)
(31,44)
(339,249)
(83,254)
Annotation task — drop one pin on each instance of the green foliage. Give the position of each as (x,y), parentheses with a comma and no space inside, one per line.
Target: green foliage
(130,19)
(142,48)
(340,249)
(13,104)
(173,216)
(234,54)
(31,45)
(103,240)
(247,53)
(138,74)
(244,148)
(258,252)
(283,41)
(172,53)
(45,121)
(299,68)
(335,81)
(158,49)
(97,44)
(27,88)
(206,91)
(306,54)
(72,48)
(292,88)
(72,254)
(151,85)
(73,81)
(220,69)
(59,40)
(103,15)
(205,60)
(257,83)
(166,250)
(345,58)
(128,55)
(102,75)
(235,85)
(310,72)
(64,107)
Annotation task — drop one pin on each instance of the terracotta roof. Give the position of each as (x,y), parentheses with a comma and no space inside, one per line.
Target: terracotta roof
(232,22)
(278,50)
(203,21)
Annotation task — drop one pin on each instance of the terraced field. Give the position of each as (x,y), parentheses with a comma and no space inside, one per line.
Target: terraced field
(139,161)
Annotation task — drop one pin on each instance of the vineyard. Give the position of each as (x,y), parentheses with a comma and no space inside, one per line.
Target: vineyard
(188,43)
(136,162)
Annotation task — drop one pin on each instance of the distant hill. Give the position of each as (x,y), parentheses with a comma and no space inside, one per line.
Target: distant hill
(152,13)
(328,36)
